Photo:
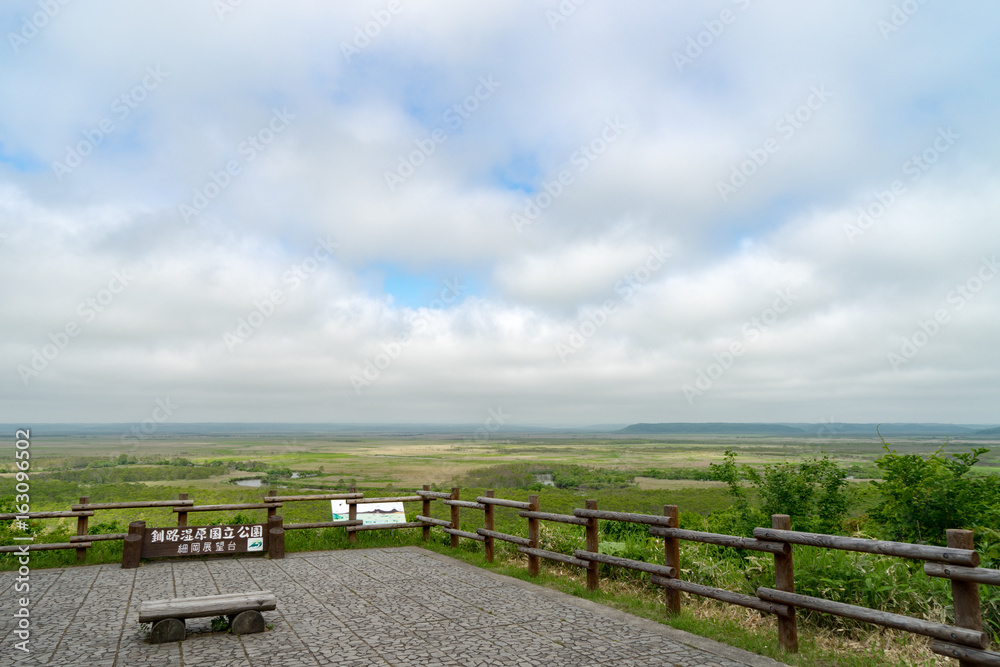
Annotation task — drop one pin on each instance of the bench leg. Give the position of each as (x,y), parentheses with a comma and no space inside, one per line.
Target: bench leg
(246,622)
(167,630)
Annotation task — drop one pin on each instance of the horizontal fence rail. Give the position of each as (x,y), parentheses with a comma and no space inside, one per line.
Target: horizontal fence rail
(434,522)
(965,655)
(389,499)
(642,566)
(226,508)
(972,638)
(433,494)
(384,526)
(17,548)
(558,518)
(42,515)
(722,540)
(977,574)
(107,537)
(513,539)
(554,555)
(722,595)
(625,516)
(464,503)
(901,549)
(464,533)
(324,496)
(131,505)
(320,524)
(502,502)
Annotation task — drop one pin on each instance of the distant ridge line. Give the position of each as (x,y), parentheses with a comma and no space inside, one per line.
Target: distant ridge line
(714,428)
(827,429)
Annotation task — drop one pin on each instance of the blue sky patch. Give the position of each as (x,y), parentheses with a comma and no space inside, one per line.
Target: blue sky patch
(19,161)
(421,289)
(520,174)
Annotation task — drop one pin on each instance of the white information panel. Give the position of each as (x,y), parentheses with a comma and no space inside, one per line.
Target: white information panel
(372,513)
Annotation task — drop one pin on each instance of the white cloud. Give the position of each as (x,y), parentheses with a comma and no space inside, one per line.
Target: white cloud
(857,297)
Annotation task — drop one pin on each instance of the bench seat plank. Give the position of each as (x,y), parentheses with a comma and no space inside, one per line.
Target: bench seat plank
(151,611)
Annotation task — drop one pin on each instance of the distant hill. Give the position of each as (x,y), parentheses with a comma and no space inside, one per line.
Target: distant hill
(713,428)
(811,430)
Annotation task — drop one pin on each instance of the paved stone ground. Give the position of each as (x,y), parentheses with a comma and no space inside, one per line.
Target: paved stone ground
(404,606)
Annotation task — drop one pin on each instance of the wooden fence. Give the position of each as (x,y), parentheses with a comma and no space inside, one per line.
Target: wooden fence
(958,561)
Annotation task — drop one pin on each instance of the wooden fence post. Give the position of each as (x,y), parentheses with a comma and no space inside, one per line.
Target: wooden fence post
(672,558)
(352,514)
(132,549)
(81,529)
(593,545)
(454,517)
(426,511)
(533,537)
(182,517)
(271,511)
(275,537)
(784,580)
(488,523)
(965,594)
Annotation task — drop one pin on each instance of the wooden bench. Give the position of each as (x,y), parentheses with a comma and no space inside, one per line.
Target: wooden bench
(243,610)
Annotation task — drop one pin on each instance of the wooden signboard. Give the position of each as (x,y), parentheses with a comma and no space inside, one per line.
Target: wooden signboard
(204,540)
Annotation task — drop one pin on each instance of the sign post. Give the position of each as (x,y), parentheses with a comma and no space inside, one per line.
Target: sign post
(204,540)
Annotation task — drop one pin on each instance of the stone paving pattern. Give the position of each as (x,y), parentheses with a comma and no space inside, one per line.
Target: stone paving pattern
(403,606)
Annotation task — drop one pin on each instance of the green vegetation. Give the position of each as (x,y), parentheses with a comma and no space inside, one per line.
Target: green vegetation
(564,476)
(814,493)
(922,497)
(133,473)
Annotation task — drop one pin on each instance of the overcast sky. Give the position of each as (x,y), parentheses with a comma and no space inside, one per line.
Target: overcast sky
(532,212)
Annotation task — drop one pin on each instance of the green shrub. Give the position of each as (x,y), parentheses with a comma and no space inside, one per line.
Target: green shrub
(922,497)
(814,493)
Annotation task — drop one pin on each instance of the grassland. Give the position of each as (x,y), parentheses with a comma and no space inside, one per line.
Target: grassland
(64,468)
(415,460)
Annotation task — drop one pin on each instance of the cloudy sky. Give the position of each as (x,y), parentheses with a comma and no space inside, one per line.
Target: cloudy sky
(542,212)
